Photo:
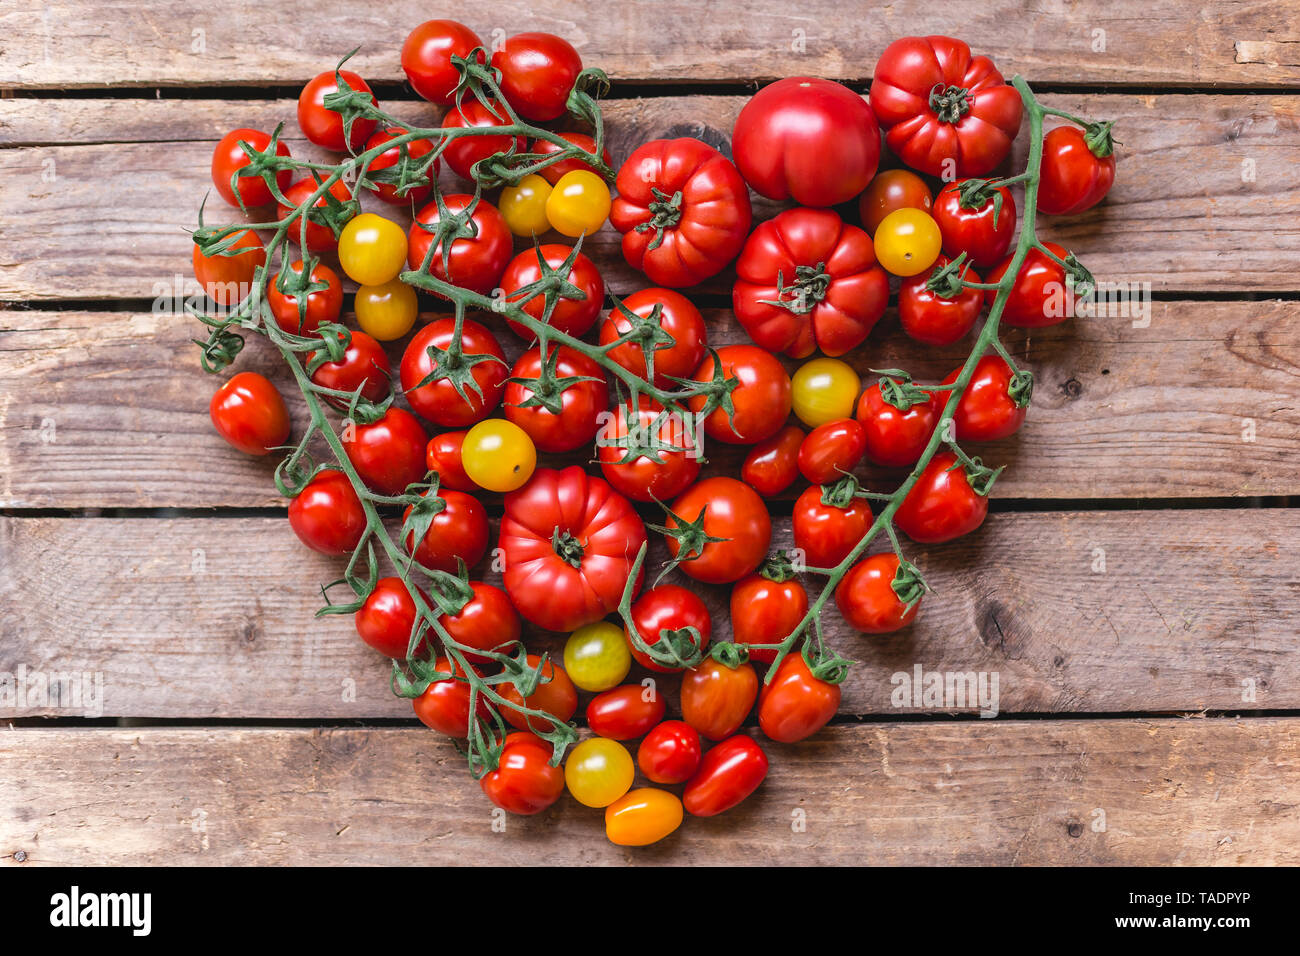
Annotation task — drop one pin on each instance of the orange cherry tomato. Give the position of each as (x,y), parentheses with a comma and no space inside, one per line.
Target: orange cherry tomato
(642,817)
(890,190)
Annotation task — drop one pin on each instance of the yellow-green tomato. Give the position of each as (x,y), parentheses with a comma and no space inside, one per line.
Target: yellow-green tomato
(642,817)
(824,390)
(372,249)
(387,312)
(498,455)
(579,203)
(598,771)
(907,242)
(524,206)
(596,656)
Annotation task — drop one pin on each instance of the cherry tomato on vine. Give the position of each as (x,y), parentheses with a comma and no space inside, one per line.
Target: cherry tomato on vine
(388,454)
(229,158)
(1040,295)
(896,438)
(462,152)
(323,305)
(443,455)
(670,753)
(760,402)
(488,621)
(524,206)
(983,231)
(427,53)
(538,71)
(716,698)
(323,126)
(459,530)
(249,414)
(327,515)
(941,505)
(626,712)
(826,533)
(386,184)
(642,816)
(579,405)
(986,410)
(728,774)
(372,249)
(668,607)
(229,279)
(553,173)
(557,696)
(445,704)
(867,599)
(678,318)
(596,656)
(578,204)
(824,391)
(892,189)
(764,611)
(320,237)
(364,365)
(907,242)
(773,465)
(386,311)
(477,260)
(480,362)
(931,318)
(832,450)
(498,455)
(524,781)
(574,316)
(795,703)
(1078,169)
(724,508)
(386,619)
(599,771)
(666,461)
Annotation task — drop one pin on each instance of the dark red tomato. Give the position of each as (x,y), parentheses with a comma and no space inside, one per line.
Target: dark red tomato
(320,237)
(488,621)
(476,262)
(463,152)
(249,414)
(827,533)
(323,305)
(229,158)
(524,781)
(760,401)
(555,695)
(670,753)
(764,611)
(388,454)
(442,455)
(538,71)
(984,231)
(832,451)
(1040,295)
(728,774)
(580,404)
(823,276)
(773,465)
(867,599)
(459,530)
(986,411)
(731,511)
(795,704)
(427,53)
(680,242)
(573,316)
(678,317)
(229,279)
(665,461)
(890,190)
(445,704)
(364,365)
(895,438)
(929,317)
(415,150)
(327,515)
(667,607)
(386,619)
(941,505)
(553,173)
(716,698)
(944,111)
(438,401)
(811,140)
(324,127)
(626,712)
(1078,169)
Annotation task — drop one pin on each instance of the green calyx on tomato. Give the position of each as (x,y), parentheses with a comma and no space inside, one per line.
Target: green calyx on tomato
(455,366)
(351,105)
(777,567)
(840,494)
(950,104)
(690,536)
(898,389)
(1098,138)
(975,194)
(979,476)
(908,583)
(553,283)
(567,547)
(947,281)
(666,212)
(547,388)
(808,290)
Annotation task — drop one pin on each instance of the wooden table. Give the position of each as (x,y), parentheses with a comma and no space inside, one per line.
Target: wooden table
(1135,589)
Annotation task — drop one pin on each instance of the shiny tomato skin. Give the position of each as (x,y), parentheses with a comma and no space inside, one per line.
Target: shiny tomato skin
(524,781)
(766,612)
(327,515)
(733,511)
(626,712)
(729,773)
(445,704)
(386,618)
(670,753)
(985,411)
(761,401)
(388,454)
(248,412)
(364,364)
(716,698)
(892,189)
(320,237)
(229,279)
(667,607)
(324,127)
(573,316)
(867,600)
(488,621)
(476,263)
(895,438)
(826,533)
(459,530)
(794,704)
(1039,297)
(463,152)
(678,317)
(941,505)
(832,450)
(928,317)
(323,305)
(984,233)
(442,455)
(581,404)
(665,473)
(773,465)
(538,71)
(556,695)
(229,157)
(1073,178)
(416,149)
(427,53)
(642,816)
(438,401)
(555,172)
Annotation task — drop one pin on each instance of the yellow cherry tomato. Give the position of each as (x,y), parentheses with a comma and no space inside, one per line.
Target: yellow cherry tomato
(642,817)
(372,249)
(824,390)
(387,311)
(524,206)
(579,203)
(498,455)
(598,772)
(596,656)
(907,242)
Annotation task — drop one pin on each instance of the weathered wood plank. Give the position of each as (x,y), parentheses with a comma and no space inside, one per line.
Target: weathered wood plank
(1078,793)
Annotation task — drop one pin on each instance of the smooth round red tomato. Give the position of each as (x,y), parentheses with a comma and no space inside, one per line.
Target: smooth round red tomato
(760,400)
(445,704)
(427,53)
(320,237)
(580,405)
(983,230)
(323,305)
(388,454)
(642,817)
(773,465)
(892,189)
(327,515)
(443,456)
(554,172)
(667,607)
(795,703)
(895,438)
(488,621)
(475,262)
(716,698)
(462,152)
(386,619)
(832,451)
(229,158)
(480,358)
(364,365)
(826,533)
(670,753)
(764,611)
(572,316)
(662,449)
(229,279)
(1040,296)
(387,183)
(810,140)
(986,410)
(1078,169)
(538,71)
(933,319)
(727,509)
(678,318)
(728,774)
(524,781)
(867,599)
(324,127)
(459,530)
(555,695)
(248,412)
(941,505)
(626,712)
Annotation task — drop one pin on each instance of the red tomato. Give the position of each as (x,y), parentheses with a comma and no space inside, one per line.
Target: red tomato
(826,533)
(983,231)
(323,305)
(716,698)
(438,400)
(386,619)
(387,183)
(794,704)
(327,515)
(680,241)
(729,773)
(229,279)
(463,152)
(867,599)
(427,53)
(573,316)
(825,277)
(892,189)
(553,173)
(569,542)
(555,695)
(320,237)
(626,712)
(986,411)
(670,753)
(459,530)
(832,450)
(442,455)
(524,781)
(941,505)
(488,621)
(929,317)
(537,72)
(324,127)
(760,400)
(579,405)
(666,461)
(364,365)
(806,139)
(725,509)
(1040,295)
(678,318)
(388,454)
(895,438)
(667,607)
(476,262)
(773,465)
(764,611)
(1078,169)
(444,705)
(945,112)
(249,414)
(229,158)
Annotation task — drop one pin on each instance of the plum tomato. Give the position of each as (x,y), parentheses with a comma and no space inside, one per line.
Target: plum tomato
(1078,169)
(625,712)
(795,703)
(728,774)
(642,817)
(773,465)
(832,451)
(1043,293)
(598,771)
(717,698)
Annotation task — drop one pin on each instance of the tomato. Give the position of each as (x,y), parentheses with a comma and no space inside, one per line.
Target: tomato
(824,275)
(524,206)
(327,515)
(986,411)
(678,318)
(725,509)
(463,152)
(323,126)
(729,773)
(385,622)
(427,53)
(945,112)
(556,420)
(642,817)
(824,391)
(1078,169)
(481,362)
(867,599)
(760,400)
(683,211)
(832,451)
(386,172)
(498,455)
(773,465)
(626,712)
(323,305)
(445,704)
(387,311)
(537,72)
(488,621)
(388,454)
(524,781)
(364,365)
(810,140)
(764,611)
(665,461)
(248,412)
(443,456)
(596,656)
(320,237)
(555,694)
(573,316)
(892,189)
(569,542)
(795,704)
(475,261)
(229,158)
(372,249)
(907,242)
(578,204)
(553,173)
(1040,296)
(670,608)
(941,505)
(459,530)
(896,438)
(825,532)
(598,772)
(982,230)
(229,279)
(716,698)
(928,317)
(670,753)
